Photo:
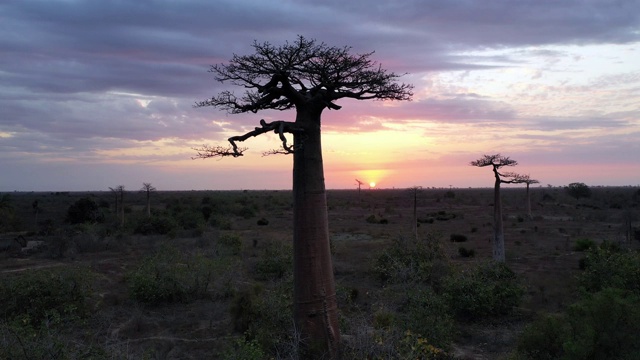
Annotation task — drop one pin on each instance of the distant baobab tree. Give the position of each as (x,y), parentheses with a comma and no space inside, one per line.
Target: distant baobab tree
(526,179)
(415,210)
(119,191)
(497,161)
(359,185)
(116,193)
(309,77)
(148,188)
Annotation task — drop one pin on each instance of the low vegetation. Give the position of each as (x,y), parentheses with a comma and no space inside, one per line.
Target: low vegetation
(206,267)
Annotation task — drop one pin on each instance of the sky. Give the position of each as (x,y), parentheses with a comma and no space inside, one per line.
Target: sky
(95,94)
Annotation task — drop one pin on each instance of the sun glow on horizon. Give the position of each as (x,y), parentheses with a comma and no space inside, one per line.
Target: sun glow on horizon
(372,184)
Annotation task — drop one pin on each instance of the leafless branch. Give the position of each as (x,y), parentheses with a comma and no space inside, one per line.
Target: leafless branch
(279,127)
(287,76)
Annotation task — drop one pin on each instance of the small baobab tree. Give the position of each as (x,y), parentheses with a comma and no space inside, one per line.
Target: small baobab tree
(526,179)
(309,77)
(148,188)
(359,185)
(415,190)
(497,161)
(119,193)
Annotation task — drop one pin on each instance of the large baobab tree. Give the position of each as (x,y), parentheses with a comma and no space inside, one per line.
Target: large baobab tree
(497,161)
(309,77)
(148,188)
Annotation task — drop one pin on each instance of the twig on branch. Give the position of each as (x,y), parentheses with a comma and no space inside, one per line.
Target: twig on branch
(279,127)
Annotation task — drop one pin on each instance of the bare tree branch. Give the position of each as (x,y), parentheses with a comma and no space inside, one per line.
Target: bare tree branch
(284,77)
(279,127)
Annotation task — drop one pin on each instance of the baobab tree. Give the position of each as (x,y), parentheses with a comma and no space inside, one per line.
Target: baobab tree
(119,191)
(359,186)
(497,161)
(148,188)
(526,179)
(309,77)
(115,191)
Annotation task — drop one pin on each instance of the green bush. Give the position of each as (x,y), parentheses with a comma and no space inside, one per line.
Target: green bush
(231,243)
(412,261)
(246,212)
(544,338)
(244,349)
(275,262)
(220,222)
(491,289)
(170,276)
(265,315)
(84,210)
(584,245)
(38,308)
(156,225)
(36,295)
(578,190)
(603,325)
(604,268)
(428,314)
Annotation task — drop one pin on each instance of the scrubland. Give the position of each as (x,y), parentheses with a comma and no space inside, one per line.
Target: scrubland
(209,275)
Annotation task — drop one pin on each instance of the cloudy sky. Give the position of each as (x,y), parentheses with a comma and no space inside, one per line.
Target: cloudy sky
(96,94)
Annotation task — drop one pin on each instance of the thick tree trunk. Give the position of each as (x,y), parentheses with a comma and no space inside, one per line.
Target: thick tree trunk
(315,308)
(498,229)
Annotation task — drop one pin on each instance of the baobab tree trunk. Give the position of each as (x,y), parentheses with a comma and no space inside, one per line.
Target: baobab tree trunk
(529,204)
(498,229)
(315,308)
(148,203)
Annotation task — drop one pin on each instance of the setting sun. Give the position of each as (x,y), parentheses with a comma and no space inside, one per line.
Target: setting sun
(372,184)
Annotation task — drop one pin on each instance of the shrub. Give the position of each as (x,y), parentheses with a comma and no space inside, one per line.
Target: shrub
(206,212)
(244,349)
(490,289)
(169,276)
(603,325)
(544,338)
(39,294)
(84,210)
(428,314)
(189,219)
(412,261)
(605,268)
(220,222)
(231,243)
(584,245)
(578,190)
(39,308)
(276,262)
(263,222)
(246,212)
(373,219)
(458,238)
(155,225)
(464,252)
(265,315)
